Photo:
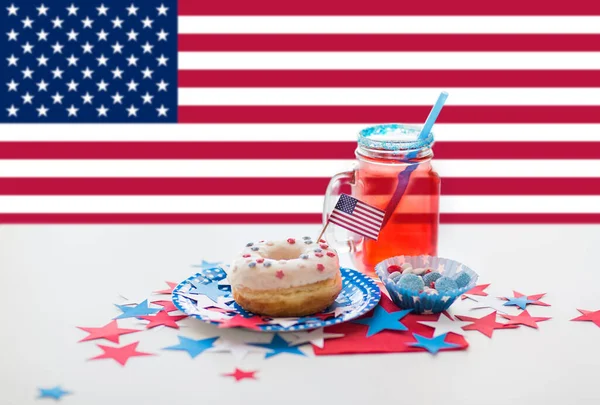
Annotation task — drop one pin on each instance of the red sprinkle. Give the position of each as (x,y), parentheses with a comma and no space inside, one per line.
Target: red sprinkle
(320,267)
(246,256)
(432,284)
(291,241)
(322,241)
(260,260)
(324,246)
(260,241)
(394,268)
(319,254)
(279,274)
(428,271)
(330,254)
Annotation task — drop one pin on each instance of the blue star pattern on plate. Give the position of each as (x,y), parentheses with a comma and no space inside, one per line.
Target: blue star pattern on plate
(432,345)
(383,320)
(138,310)
(210,289)
(520,302)
(205,265)
(54,393)
(191,346)
(359,295)
(278,346)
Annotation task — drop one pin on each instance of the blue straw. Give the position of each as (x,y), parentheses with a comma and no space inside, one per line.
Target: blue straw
(433,114)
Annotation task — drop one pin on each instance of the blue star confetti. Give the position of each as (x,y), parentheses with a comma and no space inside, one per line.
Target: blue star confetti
(55,393)
(211,290)
(520,302)
(138,310)
(278,346)
(432,345)
(383,320)
(191,346)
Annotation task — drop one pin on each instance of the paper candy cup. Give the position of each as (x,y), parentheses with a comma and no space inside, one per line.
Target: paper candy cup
(423,303)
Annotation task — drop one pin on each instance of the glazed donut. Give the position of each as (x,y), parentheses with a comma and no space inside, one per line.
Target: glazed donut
(292,277)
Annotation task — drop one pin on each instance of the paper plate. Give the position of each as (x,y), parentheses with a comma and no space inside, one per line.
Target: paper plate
(359,295)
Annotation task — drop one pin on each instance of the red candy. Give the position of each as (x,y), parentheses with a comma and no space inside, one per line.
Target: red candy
(319,254)
(320,267)
(279,274)
(246,256)
(428,271)
(432,284)
(260,260)
(324,246)
(330,254)
(291,241)
(394,268)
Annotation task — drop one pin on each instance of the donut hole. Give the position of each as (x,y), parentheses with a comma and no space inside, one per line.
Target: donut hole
(283,253)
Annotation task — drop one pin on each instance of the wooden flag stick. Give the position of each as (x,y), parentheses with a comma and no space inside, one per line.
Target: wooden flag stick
(322,231)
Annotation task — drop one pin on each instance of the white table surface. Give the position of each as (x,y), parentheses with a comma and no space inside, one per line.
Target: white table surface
(54,278)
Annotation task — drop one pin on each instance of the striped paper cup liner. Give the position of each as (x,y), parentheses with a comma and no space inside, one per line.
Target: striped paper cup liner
(422,302)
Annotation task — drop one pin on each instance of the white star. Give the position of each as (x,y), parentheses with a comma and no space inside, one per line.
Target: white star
(132,35)
(117,73)
(102,111)
(72,9)
(488,302)
(132,111)
(12,61)
(27,73)
(57,98)
(117,98)
(102,85)
(315,337)
(162,10)
(42,35)
(27,98)
(42,111)
(12,85)
(102,35)
(147,98)
(147,47)
(147,22)
(203,302)
(87,98)
(12,111)
(57,47)
(162,86)
(57,73)
(42,10)
(42,60)
(72,111)
(87,73)
(87,48)
(87,23)
(132,60)
(12,35)
(446,325)
(162,35)
(237,345)
(27,22)
(72,60)
(27,48)
(72,85)
(147,73)
(284,322)
(132,86)
(102,60)
(102,10)
(162,111)
(42,85)
(131,10)
(57,22)
(117,22)
(117,47)
(162,61)
(72,35)
(12,10)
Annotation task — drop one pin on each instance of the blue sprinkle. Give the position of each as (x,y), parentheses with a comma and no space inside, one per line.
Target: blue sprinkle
(251,264)
(267,264)
(445,284)
(306,237)
(463,279)
(318,250)
(411,282)
(249,244)
(308,242)
(430,278)
(303,256)
(255,248)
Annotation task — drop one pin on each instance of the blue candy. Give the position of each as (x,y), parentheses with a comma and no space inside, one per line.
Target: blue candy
(430,278)
(463,279)
(411,282)
(444,284)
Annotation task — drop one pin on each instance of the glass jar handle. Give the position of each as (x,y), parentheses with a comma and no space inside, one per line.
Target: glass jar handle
(333,191)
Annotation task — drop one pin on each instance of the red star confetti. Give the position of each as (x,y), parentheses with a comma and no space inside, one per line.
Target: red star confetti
(110,332)
(477,290)
(120,354)
(163,319)
(591,316)
(168,306)
(524,319)
(485,325)
(241,375)
(169,290)
(239,321)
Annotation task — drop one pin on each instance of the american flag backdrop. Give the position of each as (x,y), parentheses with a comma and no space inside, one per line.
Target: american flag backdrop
(240,111)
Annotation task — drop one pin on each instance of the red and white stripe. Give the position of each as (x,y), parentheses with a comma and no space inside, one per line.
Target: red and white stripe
(272,95)
(364,220)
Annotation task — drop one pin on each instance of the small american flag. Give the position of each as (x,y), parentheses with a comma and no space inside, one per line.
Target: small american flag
(356,216)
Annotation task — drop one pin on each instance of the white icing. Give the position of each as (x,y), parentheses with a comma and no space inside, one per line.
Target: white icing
(283,256)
